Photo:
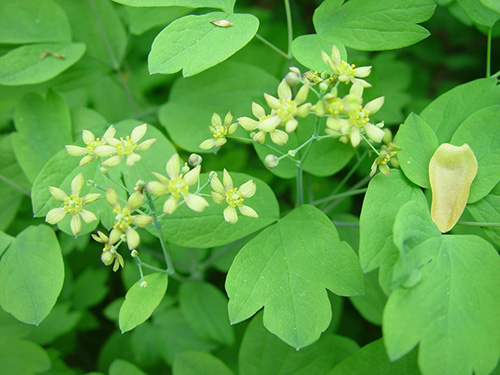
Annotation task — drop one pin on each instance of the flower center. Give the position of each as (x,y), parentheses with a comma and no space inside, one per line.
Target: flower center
(122,219)
(126,146)
(73,204)
(233,198)
(220,131)
(92,145)
(359,118)
(177,186)
(286,109)
(335,107)
(344,71)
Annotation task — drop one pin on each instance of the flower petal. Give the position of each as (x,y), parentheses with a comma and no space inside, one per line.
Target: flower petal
(112,198)
(104,150)
(141,220)
(257,110)
(227,180)
(170,205)
(146,145)
(76,224)
(115,235)
(362,71)
(57,193)
(133,238)
(157,188)
(291,125)
(75,150)
(110,133)
(55,215)
(230,215)
(87,216)
(207,144)
(86,160)
(302,95)
(192,176)
(162,178)
(269,124)
(218,198)
(138,132)
(88,136)
(247,190)
(173,166)
(355,136)
(216,120)
(374,133)
(89,198)
(217,186)
(195,202)
(132,159)
(247,123)
(112,161)
(374,105)
(284,91)
(248,211)
(135,201)
(279,137)
(77,184)
(271,102)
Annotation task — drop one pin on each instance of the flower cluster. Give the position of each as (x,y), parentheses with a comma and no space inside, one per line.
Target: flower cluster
(115,149)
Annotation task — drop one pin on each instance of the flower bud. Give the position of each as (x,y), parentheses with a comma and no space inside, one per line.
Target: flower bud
(387,137)
(134,253)
(293,77)
(104,171)
(211,175)
(271,161)
(90,183)
(292,153)
(185,169)
(323,87)
(107,258)
(195,160)
(140,184)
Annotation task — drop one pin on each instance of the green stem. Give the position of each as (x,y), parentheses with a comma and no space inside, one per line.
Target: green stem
(272,46)
(345,224)
(14,185)
(341,195)
(478,224)
(496,75)
(370,144)
(164,246)
(289,26)
(488,53)
(300,186)
(339,200)
(139,266)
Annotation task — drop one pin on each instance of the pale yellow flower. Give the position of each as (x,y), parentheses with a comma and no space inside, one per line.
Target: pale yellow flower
(286,108)
(177,185)
(124,218)
(219,131)
(358,120)
(94,147)
(343,71)
(109,254)
(234,197)
(73,205)
(126,147)
(266,124)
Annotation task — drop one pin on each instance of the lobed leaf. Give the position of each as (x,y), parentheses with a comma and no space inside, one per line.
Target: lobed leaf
(226,5)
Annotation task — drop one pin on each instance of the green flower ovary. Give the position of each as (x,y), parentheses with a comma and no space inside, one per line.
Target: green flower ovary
(177,186)
(73,204)
(126,146)
(344,69)
(233,198)
(359,118)
(286,109)
(92,145)
(219,131)
(123,219)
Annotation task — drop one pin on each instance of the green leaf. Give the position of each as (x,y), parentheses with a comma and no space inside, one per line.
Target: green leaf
(194,44)
(30,64)
(205,309)
(31,282)
(196,363)
(187,114)
(60,321)
(174,336)
(492,4)
(374,25)
(450,110)
(97,24)
(371,304)
(307,50)
(285,269)
(459,273)
(43,128)
(413,225)
(144,19)
(5,242)
(484,139)
(121,367)
(488,210)
(372,359)
(419,142)
(14,185)
(263,353)
(226,5)
(140,302)
(20,357)
(90,288)
(480,13)
(33,21)
(385,196)
(208,228)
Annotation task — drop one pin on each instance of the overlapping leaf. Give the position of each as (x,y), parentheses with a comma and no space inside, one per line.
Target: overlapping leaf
(226,5)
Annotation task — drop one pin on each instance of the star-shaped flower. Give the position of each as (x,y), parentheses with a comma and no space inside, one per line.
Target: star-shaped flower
(234,197)
(177,185)
(73,205)
(126,147)
(109,254)
(343,71)
(94,147)
(219,131)
(265,124)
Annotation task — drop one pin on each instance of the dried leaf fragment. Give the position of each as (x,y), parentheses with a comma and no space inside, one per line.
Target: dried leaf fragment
(222,23)
(451,172)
